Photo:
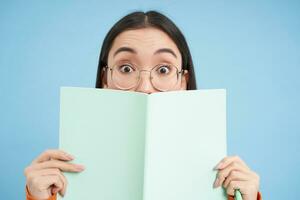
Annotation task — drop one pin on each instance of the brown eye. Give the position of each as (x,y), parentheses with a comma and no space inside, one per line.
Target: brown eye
(164,69)
(126,68)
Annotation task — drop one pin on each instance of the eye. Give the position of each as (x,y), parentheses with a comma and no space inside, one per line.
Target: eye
(126,68)
(164,69)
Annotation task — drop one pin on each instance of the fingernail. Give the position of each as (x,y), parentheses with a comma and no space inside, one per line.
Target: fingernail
(219,166)
(55,190)
(69,156)
(216,183)
(80,167)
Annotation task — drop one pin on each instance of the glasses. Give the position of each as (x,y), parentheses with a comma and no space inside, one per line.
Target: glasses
(127,76)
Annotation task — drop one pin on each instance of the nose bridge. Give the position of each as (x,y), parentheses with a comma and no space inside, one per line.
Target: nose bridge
(144,71)
(145,84)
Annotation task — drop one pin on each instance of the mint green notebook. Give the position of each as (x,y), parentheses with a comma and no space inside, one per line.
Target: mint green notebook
(136,146)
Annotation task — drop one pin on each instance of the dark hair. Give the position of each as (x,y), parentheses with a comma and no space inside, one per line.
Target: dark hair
(137,20)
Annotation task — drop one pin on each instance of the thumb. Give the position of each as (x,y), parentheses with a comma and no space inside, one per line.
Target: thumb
(54,190)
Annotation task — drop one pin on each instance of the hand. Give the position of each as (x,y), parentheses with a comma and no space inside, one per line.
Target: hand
(44,176)
(233,174)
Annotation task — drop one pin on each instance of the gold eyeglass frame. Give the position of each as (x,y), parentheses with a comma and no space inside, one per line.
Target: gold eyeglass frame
(178,72)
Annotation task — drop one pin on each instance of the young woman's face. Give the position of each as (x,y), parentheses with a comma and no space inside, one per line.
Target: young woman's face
(145,49)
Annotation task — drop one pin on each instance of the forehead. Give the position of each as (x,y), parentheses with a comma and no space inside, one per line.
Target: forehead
(146,40)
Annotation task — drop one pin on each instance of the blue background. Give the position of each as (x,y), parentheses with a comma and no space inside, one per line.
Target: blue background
(251,48)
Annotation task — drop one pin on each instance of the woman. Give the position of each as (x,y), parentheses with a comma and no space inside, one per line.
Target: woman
(142,52)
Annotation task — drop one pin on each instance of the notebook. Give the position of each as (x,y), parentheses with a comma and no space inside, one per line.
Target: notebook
(137,146)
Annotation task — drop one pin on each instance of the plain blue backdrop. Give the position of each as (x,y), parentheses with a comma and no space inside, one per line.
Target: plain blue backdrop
(251,48)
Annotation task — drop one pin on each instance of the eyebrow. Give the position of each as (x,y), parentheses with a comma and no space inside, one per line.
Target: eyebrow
(126,49)
(166,50)
(131,50)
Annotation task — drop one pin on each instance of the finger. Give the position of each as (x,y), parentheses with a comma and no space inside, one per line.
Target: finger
(53,154)
(223,173)
(49,172)
(233,185)
(64,181)
(228,160)
(63,192)
(48,182)
(39,173)
(236,176)
(54,190)
(55,181)
(63,166)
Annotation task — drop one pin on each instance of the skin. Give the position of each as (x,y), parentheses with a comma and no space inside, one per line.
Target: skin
(44,175)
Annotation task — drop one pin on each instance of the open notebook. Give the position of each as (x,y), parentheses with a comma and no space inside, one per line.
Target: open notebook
(136,146)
